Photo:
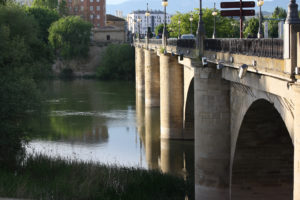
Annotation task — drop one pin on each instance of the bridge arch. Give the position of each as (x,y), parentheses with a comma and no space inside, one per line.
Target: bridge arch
(262,162)
(189,112)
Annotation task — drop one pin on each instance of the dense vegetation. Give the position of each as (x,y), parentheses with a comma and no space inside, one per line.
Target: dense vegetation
(44,178)
(70,37)
(24,59)
(117,63)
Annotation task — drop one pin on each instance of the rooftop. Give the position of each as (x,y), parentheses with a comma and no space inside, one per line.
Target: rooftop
(143,12)
(113,18)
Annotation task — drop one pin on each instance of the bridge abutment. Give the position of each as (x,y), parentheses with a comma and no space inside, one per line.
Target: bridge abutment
(152,79)
(297,143)
(212,134)
(139,70)
(171,97)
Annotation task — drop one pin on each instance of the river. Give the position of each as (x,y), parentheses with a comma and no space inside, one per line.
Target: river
(106,122)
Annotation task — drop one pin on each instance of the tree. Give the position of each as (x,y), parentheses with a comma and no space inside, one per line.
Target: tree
(45,17)
(159,30)
(225,27)
(70,37)
(117,63)
(50,4)
(252,28)
(62,8)
(279,13)
(21,59)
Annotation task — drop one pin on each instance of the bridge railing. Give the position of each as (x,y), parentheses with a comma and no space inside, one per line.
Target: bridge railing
(272,48)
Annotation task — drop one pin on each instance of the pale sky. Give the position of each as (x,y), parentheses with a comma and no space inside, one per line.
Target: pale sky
(179,5)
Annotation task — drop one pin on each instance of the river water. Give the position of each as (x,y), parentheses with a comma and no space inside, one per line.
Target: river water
(106,122)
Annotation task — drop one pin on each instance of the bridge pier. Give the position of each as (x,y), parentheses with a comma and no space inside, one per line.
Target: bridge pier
(171,97)
(297,143)
(212,134)
(139,70)
(152,79)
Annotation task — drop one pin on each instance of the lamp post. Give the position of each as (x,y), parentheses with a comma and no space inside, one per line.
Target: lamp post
(200,32)
(191,20)
(214,13)
(165,4)
(260,3)
(147,14)
(179,22)
(139,27)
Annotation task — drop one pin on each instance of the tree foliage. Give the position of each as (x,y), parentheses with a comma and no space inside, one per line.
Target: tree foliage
(279,13)
(50,4)
(159,29)
(62,8)
(45,17)
(117,63)
(251,29)
(22,59)
(70,37)
(225,27)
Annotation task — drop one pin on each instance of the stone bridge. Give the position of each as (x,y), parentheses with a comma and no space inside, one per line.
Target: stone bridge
(239,101)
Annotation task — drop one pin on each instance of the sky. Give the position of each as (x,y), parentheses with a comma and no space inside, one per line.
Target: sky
(178,5)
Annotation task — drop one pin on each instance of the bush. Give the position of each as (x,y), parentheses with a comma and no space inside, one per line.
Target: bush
(117,63)
(70,37)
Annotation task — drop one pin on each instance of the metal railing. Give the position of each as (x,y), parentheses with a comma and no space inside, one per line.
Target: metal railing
(272,48)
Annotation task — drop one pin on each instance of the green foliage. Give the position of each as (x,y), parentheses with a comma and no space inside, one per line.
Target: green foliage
(279,13)
(70,37)
(159,29)
(62,8)
(22,58)
(50,4)
(252,28)
(225,27)
(43,178)
(45,17)
(117,63)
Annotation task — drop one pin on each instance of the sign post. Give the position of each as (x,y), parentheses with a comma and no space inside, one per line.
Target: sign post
(238,13)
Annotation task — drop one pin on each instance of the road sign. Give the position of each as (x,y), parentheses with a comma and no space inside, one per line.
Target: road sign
(237,13)
(246,4)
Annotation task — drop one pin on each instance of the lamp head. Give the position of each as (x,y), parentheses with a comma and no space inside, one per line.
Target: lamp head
(260,3)
(214,13)
(164,3)
(191,18)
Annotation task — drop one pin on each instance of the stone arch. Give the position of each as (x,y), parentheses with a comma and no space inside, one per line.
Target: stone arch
(189,129)
(262,162)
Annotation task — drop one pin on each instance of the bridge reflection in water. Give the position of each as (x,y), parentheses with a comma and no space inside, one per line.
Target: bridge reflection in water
(170,156)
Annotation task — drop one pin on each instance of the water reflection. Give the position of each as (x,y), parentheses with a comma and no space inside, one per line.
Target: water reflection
(106,122)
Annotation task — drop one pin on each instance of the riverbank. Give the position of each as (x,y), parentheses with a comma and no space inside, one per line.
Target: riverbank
(41,177)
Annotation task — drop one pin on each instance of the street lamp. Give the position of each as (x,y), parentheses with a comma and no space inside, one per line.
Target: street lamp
(260,3)
(179,22)
(214,13)
(164,3)
(139,22)
(191,20)
(200,32)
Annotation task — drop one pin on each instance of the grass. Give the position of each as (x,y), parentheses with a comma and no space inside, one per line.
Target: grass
(41,177)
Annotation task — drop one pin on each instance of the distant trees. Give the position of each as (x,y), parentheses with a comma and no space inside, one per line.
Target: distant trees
(117,63)
(279,13)
(70,37)
(50,4)
(225,27)
(252,26)
(159,29)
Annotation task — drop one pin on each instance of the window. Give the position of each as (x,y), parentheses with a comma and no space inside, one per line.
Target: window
(108,37)
(98,8)
(70,8)
(91,1)
(91,8)
(97,0)
(76,8)
(70,1)
(98,16)
(81,8)
(98,25)
(81,0)
(91,16)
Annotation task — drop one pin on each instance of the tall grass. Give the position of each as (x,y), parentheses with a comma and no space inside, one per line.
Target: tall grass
(41,177)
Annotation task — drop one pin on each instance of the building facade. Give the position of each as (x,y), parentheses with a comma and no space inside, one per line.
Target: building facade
(156,18)
(93,11)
